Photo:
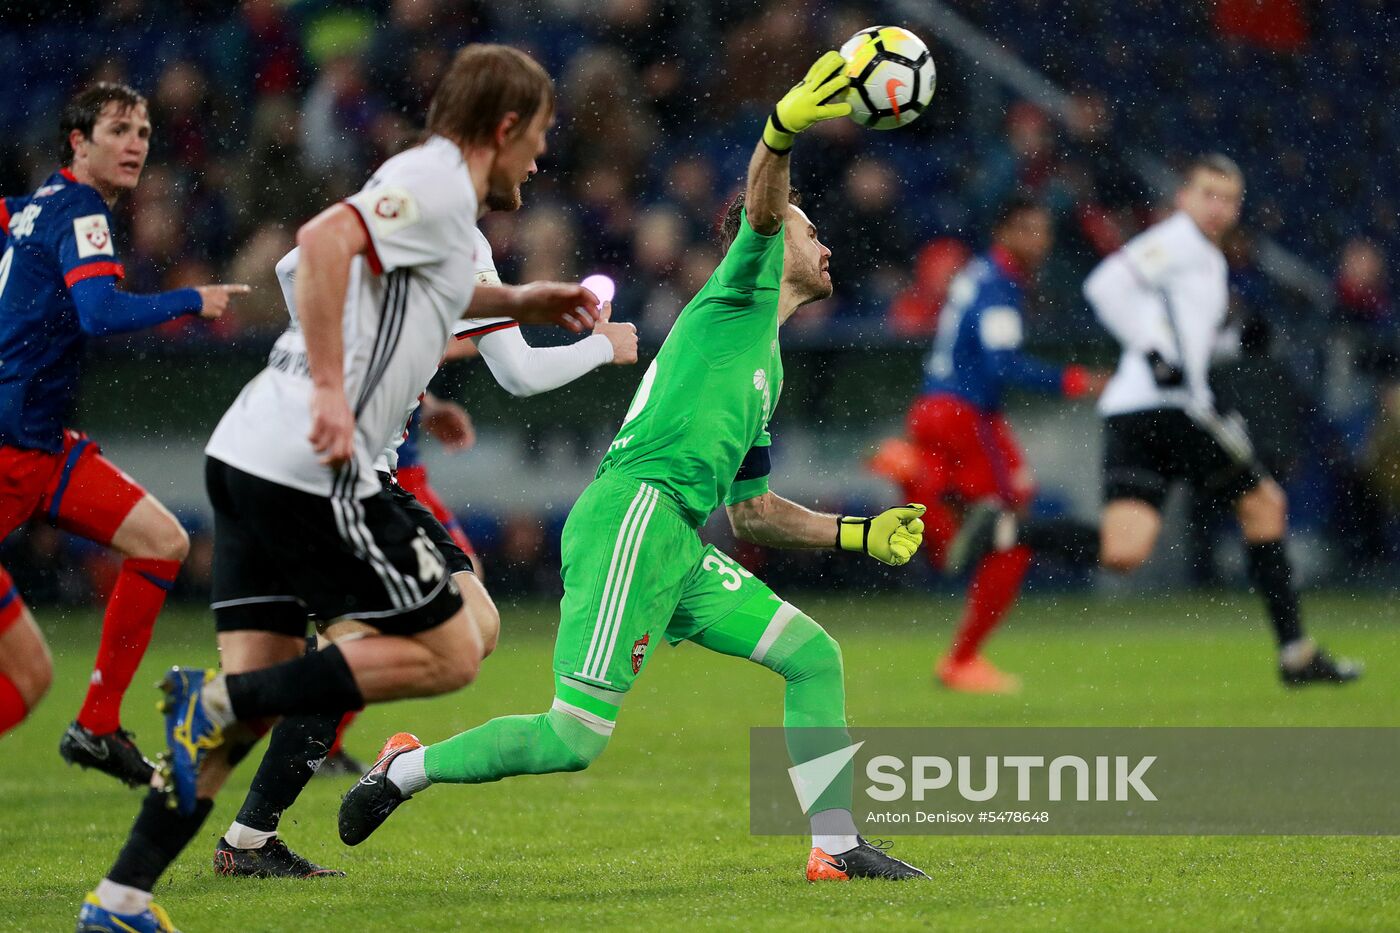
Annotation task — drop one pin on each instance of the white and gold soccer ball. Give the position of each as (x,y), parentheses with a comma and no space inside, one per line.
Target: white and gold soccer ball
(892,77)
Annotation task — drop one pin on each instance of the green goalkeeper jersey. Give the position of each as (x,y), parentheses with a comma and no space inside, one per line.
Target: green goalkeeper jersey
(703,405)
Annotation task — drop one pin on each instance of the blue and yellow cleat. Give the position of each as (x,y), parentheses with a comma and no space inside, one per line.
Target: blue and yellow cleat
(189,732)
(94,918)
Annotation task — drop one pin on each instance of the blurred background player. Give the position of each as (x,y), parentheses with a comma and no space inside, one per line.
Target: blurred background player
(695,436)
(297,745)
(959,449)
(302,522)
(1164,297)
(58,275)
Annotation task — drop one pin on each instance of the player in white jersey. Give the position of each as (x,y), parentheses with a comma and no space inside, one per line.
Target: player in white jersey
(297,746)
(301,523)
(1164,296)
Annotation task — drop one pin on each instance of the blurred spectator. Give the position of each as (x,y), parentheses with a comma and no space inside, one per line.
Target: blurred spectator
(1277,25)
(275,187)
(914,313)
(1363,295)
(871,241)
(337,115)
(262,311)
(274,47)
(181,109)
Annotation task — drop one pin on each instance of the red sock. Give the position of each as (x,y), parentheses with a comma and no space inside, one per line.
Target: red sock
(126,631)
(340,731)
(994,586)
(12,708)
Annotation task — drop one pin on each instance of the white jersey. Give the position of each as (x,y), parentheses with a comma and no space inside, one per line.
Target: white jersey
(403,298)
(1165,290)
(388,459)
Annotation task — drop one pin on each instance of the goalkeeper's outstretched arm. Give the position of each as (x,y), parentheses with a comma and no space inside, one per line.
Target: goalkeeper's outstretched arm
(891,537)
(809,102)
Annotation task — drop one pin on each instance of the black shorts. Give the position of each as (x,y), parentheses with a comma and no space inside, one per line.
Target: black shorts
(457,559)
(1145,451)
(281,555)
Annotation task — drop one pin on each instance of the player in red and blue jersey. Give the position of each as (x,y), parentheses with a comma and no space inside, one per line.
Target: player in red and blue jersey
(960,450)
(58,274)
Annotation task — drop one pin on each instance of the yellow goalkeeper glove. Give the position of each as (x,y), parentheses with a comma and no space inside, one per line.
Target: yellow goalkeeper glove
(891,537)
(809,102)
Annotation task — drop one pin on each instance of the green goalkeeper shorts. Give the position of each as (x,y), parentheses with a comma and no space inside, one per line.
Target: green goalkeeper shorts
(635,572)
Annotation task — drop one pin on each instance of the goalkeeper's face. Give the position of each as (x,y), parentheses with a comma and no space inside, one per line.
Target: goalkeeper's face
(805,258)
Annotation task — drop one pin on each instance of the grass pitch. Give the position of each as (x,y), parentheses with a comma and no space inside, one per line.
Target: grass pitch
(656,834)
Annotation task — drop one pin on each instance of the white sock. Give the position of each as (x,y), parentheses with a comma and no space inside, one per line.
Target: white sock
(835,845)
(834,831)
(216,701)
(121,898)
(246,837)
(1297,654)
(1003,539)
(409,771)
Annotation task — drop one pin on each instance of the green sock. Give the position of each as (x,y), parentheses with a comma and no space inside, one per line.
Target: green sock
(567,738)
(814,704)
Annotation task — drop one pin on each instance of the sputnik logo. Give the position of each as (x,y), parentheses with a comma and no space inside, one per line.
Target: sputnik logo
(811,778)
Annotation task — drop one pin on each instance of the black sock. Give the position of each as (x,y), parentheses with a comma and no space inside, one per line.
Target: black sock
(1072,541)
(318,682)
(1272,577)
(157,838)
(295,750)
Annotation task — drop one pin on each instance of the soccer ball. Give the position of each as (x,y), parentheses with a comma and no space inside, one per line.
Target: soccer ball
(892,77)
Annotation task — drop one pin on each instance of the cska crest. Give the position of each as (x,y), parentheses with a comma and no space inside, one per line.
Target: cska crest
(639,652)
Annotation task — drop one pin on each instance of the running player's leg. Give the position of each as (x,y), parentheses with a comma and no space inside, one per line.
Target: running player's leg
(26,670)
(984,465)
(728,610)
(299,745)
(1139,466)
(1225,465)
(365,566)
(626,553)
(296,748)
(91,497)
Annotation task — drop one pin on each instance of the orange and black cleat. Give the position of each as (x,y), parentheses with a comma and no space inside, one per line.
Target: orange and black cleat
(373,797)
(866,860)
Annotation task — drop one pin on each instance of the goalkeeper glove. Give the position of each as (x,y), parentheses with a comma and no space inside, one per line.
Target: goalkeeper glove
(809,102)
(891,537)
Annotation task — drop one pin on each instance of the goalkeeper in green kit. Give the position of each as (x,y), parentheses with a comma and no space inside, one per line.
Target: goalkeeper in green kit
(635,570)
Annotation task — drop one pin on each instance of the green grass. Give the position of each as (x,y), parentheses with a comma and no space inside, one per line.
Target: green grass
(656,833)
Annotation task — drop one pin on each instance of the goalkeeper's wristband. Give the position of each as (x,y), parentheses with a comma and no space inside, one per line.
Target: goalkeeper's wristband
(853,534)
(777,137)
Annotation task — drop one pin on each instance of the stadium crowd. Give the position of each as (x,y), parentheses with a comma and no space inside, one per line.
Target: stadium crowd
(264,110)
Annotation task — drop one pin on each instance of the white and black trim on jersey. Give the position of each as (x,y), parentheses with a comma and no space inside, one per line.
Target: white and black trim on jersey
(480,327)
(386,339)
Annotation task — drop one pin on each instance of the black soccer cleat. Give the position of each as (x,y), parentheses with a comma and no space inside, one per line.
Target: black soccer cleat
(341,764)
(1322,669)
(273,860)
(373,797)
(976,537)
(866,860)
(111,753)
